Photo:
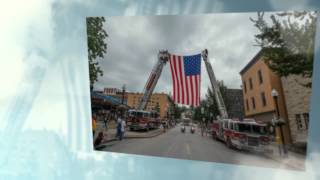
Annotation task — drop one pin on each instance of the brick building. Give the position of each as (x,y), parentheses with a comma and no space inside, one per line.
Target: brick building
(111,91)
(157,100)
(258,82)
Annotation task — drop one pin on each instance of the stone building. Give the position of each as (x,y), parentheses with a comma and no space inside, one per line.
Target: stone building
(297,99)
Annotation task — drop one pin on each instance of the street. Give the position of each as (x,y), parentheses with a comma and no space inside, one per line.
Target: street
(176,144)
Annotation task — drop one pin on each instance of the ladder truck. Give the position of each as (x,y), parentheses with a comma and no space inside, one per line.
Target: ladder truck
(247,134)
(139,119)
(215,86)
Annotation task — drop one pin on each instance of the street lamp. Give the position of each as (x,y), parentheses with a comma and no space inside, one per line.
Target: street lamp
(275,94)
(123,93)
(278,121)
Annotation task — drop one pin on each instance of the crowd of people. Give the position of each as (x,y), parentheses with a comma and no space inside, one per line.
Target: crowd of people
(119,119)
(106,118)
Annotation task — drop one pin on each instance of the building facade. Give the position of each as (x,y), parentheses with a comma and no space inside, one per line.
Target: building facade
(111,91)
(157,100)
(235,103)
(258,81)
(297,98)
(116,93)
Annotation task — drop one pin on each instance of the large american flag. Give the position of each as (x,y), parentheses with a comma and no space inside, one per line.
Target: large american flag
(186,76)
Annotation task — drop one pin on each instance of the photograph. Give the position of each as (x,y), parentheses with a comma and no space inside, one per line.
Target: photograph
(230,88)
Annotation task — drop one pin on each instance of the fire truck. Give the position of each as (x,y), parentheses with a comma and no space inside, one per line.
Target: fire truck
(142,120)
(139,119)
(246,134)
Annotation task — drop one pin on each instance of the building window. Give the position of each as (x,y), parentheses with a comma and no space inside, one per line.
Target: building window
(260,77)
(263,99)
(299,122)
(253,103)
(247,104)
(306,119)
(245,86)
(250,83)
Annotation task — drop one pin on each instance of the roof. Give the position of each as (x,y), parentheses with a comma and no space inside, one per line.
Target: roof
(110,99)
(252,62)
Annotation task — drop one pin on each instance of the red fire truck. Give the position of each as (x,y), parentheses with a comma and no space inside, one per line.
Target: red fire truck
(246,134)
(142,120)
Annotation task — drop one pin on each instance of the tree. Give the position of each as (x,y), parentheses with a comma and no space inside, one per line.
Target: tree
(213,106)
(288,43)
(97,46)
(210,97)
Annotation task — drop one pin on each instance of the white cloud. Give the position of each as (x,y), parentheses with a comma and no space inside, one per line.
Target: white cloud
(134,42)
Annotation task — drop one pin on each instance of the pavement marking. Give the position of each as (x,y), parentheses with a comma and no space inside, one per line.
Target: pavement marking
(188,149)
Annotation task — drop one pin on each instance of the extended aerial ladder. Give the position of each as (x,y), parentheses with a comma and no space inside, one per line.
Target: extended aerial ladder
(163,58)
(215,86)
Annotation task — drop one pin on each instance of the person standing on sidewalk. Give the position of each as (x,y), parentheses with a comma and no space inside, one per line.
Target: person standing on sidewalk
(94,124)
(105,120)
(99,139)
(119,120)
(122,130)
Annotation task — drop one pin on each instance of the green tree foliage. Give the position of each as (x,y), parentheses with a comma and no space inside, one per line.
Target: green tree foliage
(177,110)
(97,46)
(287,42)
(210,104)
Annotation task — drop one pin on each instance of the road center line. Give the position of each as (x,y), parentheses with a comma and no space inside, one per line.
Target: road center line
(188,149)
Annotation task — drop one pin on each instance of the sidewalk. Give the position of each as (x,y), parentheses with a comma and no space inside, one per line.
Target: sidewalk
(292,159)
(110,134)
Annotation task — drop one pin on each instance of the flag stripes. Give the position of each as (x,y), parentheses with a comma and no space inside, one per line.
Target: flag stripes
(186,76)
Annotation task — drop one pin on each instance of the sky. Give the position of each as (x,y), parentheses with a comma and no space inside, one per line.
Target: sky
(134,42)
(52,33)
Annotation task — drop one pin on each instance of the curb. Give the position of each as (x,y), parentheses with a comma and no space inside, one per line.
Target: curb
(279,159)
(129,137)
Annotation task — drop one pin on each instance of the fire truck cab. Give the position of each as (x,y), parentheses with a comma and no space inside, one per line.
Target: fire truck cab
(246,134)
(142,120)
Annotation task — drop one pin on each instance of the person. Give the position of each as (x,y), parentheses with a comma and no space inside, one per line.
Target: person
(123,126)
(119,120)
(94,124)
(105,120)
(99,139)
(202,128)
(162,128)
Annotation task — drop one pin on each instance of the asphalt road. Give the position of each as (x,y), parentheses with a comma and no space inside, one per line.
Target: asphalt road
(175,144)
